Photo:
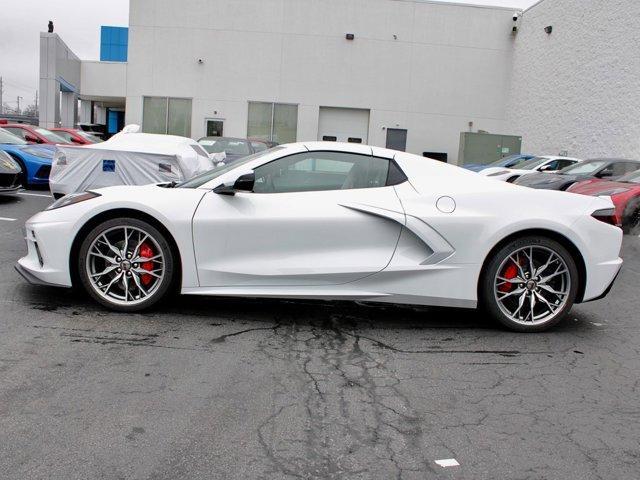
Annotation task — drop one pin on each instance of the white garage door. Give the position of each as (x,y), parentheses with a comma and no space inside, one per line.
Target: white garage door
(343,125)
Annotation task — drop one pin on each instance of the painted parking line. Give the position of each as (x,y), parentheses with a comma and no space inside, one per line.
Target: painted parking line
(35,194)
(448,462)
(7,219)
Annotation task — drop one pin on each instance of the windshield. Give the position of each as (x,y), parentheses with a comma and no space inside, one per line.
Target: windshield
(508,162)
(49,135)
(227,145)
(89,137)
(10,139)
(205,177)
(633,177)
(533,163)
(584,168)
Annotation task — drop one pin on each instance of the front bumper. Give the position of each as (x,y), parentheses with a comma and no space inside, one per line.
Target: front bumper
(46,261)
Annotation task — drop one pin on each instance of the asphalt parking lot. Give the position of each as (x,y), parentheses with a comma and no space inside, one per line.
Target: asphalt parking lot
(242,389)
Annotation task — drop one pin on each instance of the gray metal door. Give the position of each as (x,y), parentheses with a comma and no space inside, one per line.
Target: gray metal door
(397,139)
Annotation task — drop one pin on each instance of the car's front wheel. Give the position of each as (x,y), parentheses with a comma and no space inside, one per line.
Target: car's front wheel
(530,284)
(126,264)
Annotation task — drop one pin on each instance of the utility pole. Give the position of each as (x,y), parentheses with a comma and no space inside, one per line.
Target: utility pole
(36,102)
(1,108)
(19,97)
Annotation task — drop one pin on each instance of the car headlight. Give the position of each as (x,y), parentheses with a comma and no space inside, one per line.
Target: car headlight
(7,162)
(72,199)
(495,174)
(38,152)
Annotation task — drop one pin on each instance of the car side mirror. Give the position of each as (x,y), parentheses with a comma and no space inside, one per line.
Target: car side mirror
(30,138)
(76,141)
(605,174)
(244,183)
(546,168)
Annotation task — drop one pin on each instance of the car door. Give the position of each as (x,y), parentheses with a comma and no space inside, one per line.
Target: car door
(313,218)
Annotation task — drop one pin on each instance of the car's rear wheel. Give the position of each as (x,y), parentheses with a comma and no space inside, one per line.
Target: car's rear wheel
(631,220)
(126,264)
(530,284)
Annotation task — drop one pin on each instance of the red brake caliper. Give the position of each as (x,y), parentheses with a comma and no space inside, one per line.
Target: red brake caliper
(146,252)
(511,271)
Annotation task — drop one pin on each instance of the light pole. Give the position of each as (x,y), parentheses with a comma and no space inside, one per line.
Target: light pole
(19,98)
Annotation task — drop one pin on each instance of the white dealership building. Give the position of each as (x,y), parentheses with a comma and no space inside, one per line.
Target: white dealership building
(411,74)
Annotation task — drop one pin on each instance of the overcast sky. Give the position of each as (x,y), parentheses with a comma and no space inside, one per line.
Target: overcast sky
(78,23)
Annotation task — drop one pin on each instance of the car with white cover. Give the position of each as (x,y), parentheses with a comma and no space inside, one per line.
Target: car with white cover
(548,164)
(332,221)
(127,158)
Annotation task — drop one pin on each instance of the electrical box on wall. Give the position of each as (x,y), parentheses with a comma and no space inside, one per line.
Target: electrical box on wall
(485,148)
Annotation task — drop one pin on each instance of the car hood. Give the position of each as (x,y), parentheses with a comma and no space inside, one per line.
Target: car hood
(549,180)
(602,187)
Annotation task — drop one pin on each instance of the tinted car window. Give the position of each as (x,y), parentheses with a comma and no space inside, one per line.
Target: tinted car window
(584,168)
(227,145)
(319,171)
(49,135)
(8,138)
(19,132)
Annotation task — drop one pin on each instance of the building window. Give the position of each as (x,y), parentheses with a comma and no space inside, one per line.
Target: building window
(275,122)
(167,115)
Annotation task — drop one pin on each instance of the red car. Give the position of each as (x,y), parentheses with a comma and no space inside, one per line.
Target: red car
(624,193)
(33,134)
(79,137)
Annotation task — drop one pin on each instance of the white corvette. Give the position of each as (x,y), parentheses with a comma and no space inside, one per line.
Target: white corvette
(333,221)
(547,164)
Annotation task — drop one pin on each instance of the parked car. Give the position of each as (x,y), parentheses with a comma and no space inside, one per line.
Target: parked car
(75,136)
(624,193)
(262,145)
(9,174)
(32,134)
(608,168)
(332,221)
(34,160)
(507,162)
(226,149)
(537,164)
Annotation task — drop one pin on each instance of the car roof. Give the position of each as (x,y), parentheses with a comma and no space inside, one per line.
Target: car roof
(612,160)
(224,138)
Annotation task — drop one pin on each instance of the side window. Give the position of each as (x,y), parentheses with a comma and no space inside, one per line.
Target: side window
(318,171)
(16,131)
(632,167)
(65,135)
(619,169)
(565,163)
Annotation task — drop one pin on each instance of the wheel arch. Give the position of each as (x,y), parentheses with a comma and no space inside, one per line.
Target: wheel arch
(118,213)
(558,237)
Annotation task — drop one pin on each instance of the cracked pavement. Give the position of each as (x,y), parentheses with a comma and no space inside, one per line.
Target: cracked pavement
(209,388)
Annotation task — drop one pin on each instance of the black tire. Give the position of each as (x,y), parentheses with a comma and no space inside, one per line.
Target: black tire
(631,217)
(169,262)
(487,289)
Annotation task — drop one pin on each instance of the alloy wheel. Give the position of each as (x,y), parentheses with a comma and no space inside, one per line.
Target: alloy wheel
(125,265)
(532,285)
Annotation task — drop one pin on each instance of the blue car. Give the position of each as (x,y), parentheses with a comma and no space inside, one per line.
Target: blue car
(506,162)
(34,160)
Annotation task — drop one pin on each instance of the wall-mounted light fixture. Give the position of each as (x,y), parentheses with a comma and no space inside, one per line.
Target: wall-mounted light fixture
(350,36)
(548,29)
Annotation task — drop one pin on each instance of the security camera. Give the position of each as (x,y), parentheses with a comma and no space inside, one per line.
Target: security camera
(200,61)
(516,16)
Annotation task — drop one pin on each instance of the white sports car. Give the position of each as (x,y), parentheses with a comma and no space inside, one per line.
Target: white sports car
(333,221)
(547,164)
